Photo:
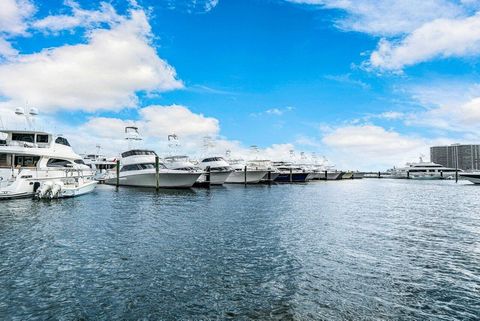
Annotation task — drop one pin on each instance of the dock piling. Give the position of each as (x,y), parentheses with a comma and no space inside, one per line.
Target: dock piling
(157,174)
(245,175)
(208,176)
(117,183)
(291,175)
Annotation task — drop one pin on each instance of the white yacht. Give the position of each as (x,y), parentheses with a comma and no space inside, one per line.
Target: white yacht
(138,168)
(219,170)
(267,165)
(252,175)
(424,170)
(36,163)
(100,164)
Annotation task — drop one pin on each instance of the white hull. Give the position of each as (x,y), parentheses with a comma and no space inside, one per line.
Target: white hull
(253,177)
(72,191)
(22,188)
(146,178)
(216,178)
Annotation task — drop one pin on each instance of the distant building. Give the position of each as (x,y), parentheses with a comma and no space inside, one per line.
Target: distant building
(467,156)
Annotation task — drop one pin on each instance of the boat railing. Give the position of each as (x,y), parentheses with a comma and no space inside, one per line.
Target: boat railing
(16,143)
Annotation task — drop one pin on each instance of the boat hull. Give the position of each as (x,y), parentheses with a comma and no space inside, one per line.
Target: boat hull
(148,179)
(216,178)
(273,176)
(474,178)
(252,177)
(294,177)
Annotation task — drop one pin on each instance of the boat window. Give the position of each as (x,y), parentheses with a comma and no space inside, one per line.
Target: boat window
(5,160)
(62,141)
(138,152)
(23,137)
(26,161)
(212,159)
(55,162)
(137,167)
(3,142)
(79,161)
(42,138)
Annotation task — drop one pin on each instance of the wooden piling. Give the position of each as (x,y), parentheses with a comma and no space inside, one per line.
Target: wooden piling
(118,173)
(326,175)
(245,175)
(379,175)
(456,175)
(408,174)
(291,175)
(157,173)
(208,176)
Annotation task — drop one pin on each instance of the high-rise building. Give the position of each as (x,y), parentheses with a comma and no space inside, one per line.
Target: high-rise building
(466,157)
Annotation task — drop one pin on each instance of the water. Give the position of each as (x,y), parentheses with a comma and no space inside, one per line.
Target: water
(349,250)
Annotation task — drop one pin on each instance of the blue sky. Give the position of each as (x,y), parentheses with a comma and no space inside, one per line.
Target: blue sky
(366,83)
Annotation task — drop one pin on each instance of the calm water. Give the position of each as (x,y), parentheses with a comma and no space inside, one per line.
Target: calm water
(349,250)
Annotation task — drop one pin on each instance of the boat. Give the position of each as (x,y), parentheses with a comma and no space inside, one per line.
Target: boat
(101,165)
(263,164)
(358,175)
(143,168)
(347,175)
(37,163)
(243,173)
(138,167)
(473,177)
(217,170)
(290,173)
(423,170)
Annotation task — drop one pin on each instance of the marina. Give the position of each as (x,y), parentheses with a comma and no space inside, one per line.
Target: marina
(200,160)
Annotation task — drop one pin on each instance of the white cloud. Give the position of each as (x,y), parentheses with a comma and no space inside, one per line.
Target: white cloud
(448,106)
(373,147)
(388,17)
(14,15)
(439,38)
(79,17)
(104,73)
(6,50)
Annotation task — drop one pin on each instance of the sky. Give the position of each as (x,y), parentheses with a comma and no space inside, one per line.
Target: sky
(369,84)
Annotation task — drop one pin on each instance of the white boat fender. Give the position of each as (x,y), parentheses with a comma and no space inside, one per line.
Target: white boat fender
(44,189)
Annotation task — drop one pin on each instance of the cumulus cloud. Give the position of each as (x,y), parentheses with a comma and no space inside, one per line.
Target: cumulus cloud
(14,15)
(439,38)
(79,17)
(373,146)
(104,73)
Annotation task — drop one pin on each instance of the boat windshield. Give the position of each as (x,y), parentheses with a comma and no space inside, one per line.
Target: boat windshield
(212,159)
(138,152)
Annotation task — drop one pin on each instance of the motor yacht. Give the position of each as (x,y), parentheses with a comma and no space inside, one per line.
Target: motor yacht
(267,165)
(289,172)
(424,170)
(37,163)
(138,168)
(218,169)
(101,165)
(243,173)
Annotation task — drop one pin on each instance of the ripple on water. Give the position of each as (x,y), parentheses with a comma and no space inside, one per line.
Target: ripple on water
(366,249)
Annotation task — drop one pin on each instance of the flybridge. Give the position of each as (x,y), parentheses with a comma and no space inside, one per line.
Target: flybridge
(29,138)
